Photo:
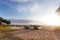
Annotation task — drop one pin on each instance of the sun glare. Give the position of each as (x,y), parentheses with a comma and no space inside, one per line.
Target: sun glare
(52,19)
(49,19)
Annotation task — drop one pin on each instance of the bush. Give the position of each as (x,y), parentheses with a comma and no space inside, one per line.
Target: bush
(35,27)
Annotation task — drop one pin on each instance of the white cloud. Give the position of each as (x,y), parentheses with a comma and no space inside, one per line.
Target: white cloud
(19,0)
(22,0)
(33,8)
(36,8)
(22,8)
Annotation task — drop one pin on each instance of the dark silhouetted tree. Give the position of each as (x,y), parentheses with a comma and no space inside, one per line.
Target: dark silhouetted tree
(1,20)
(8,22)
(4,21)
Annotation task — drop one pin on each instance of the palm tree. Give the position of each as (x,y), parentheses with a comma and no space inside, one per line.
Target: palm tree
(58,10)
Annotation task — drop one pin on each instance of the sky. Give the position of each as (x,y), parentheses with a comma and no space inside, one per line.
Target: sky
(27,9)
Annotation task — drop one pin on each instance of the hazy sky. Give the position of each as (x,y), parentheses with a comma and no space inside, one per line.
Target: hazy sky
(27,9)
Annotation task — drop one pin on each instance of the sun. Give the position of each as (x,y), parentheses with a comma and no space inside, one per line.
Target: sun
(52,19)
(49,19)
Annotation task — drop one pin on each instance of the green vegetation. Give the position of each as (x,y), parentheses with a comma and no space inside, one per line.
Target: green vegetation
(4,21)
(5,29)
(6,34)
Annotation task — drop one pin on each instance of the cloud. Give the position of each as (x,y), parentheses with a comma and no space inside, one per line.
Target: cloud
(23,7)
(36,8)
(21,0)
(33,8)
